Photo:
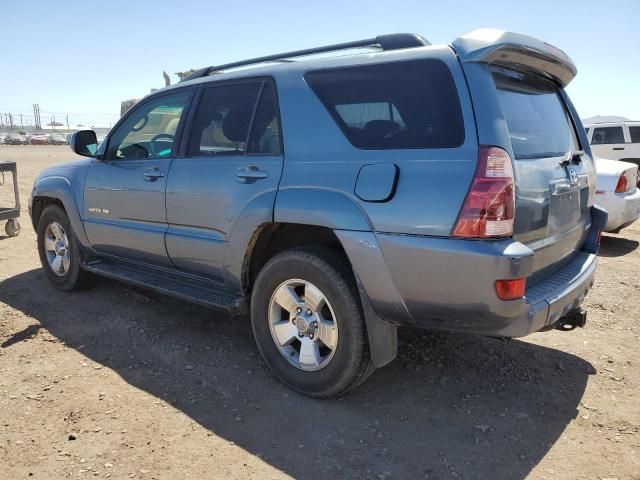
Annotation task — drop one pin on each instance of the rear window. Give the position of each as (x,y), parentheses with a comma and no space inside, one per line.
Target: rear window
(538,122)
(635,134)
(401,105)
(604,135)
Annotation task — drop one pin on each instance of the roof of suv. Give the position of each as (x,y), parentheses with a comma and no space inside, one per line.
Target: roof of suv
(482,45)
(632,123)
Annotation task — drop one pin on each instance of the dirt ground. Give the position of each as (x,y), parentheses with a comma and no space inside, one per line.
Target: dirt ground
(120,383)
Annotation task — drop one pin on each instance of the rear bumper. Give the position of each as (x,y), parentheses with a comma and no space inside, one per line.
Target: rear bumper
(623,209)
(448,284)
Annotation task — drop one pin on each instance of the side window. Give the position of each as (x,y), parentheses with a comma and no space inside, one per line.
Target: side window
(634,132)
(399,105)
(265,131)
(149,131)
(587,130)
(221,125)
(604,135)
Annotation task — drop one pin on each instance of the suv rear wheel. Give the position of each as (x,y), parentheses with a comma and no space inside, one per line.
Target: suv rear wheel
(59,250)
(308,322)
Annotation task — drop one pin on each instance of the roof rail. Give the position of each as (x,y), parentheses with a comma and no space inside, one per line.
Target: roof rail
(394,41)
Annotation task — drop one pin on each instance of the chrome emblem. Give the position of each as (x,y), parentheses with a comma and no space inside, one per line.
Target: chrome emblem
(301,325)
(573,175)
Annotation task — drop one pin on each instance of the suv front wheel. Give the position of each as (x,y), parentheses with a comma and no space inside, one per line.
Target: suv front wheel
(308,322)
(59,250)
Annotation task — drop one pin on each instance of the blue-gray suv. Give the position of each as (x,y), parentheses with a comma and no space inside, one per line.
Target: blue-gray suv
(335,198)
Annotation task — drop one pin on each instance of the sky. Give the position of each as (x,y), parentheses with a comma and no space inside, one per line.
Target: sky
(82,58)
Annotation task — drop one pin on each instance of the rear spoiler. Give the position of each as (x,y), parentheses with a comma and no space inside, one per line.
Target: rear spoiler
(517,51)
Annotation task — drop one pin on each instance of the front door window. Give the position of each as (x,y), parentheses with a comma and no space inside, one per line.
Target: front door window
(149,131)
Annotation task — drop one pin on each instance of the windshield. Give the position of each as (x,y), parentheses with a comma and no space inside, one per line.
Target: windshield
(538,122)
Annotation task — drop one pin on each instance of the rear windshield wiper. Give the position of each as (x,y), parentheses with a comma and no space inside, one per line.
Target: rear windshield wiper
(572,156)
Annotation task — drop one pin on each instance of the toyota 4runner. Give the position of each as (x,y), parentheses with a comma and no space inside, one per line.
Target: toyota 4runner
(335,198)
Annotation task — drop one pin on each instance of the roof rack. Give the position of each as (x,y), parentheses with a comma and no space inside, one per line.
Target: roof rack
(394,41)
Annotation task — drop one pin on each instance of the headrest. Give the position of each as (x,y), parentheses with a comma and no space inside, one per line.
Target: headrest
(236,124)
(380,128)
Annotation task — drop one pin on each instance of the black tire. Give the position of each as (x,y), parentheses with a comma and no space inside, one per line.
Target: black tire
(74,278)
(328,270)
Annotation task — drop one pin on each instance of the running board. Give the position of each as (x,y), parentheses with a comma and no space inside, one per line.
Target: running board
(183,287)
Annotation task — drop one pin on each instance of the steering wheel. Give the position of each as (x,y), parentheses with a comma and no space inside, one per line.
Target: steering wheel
(152,143)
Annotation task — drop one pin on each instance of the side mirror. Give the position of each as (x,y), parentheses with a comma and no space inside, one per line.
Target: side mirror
(84,143)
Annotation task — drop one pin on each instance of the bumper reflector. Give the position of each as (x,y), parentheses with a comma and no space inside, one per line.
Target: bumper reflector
(511,289)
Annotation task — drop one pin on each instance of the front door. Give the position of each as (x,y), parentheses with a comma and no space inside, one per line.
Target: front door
(232,167)
(124,207)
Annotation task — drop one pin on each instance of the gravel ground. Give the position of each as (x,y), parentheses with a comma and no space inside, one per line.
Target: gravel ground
(121,383)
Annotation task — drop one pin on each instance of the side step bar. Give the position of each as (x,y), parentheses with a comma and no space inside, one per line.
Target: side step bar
(183,287)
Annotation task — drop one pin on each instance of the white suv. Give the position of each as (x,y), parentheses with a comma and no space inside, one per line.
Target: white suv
(616,140)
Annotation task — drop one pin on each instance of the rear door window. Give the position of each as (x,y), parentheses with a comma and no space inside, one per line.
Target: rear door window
(604,135)
(400,105)
(634,132)
(229,122)
(538,122)
(221,125)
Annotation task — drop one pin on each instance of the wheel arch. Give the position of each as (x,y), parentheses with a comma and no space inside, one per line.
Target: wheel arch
(273,238)
(57,191)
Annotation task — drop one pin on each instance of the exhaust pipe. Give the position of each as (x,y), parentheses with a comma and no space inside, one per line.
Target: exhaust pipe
(575,318)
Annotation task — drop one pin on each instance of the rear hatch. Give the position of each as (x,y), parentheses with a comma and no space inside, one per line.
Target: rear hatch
(553,178)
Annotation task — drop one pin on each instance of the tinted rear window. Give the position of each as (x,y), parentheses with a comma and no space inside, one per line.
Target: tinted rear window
(410,104)
(635,134)
(538,122)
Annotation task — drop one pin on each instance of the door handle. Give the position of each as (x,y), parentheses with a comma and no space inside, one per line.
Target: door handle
(250,174)
(152,174)
(618,148)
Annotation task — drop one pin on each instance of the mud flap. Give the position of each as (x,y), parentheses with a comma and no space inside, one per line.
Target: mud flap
(383,336)
(598,222)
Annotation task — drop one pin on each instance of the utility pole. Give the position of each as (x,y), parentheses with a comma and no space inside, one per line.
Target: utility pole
(67,119)
(21,124)
(11,121)
(36,116)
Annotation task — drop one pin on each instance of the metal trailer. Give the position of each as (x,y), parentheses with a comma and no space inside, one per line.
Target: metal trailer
(10,214)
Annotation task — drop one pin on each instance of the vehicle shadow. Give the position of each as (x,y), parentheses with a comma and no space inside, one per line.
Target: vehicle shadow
(611,246)
(450,405)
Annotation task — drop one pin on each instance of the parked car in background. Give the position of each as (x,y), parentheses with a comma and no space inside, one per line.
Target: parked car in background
(615,140)
(617,190)
(57,139)
(39,140)
(2,141)
(447,187)
(15,139)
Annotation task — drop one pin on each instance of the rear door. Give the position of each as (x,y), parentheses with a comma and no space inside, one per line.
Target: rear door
(608,142)
(234,159)
(632,153)
(554,187)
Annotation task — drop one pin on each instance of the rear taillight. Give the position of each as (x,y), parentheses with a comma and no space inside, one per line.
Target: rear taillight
(623,183)
(511,289)
(489,208)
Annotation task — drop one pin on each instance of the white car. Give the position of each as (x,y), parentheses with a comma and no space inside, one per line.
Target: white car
(617,191)
(615,140)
